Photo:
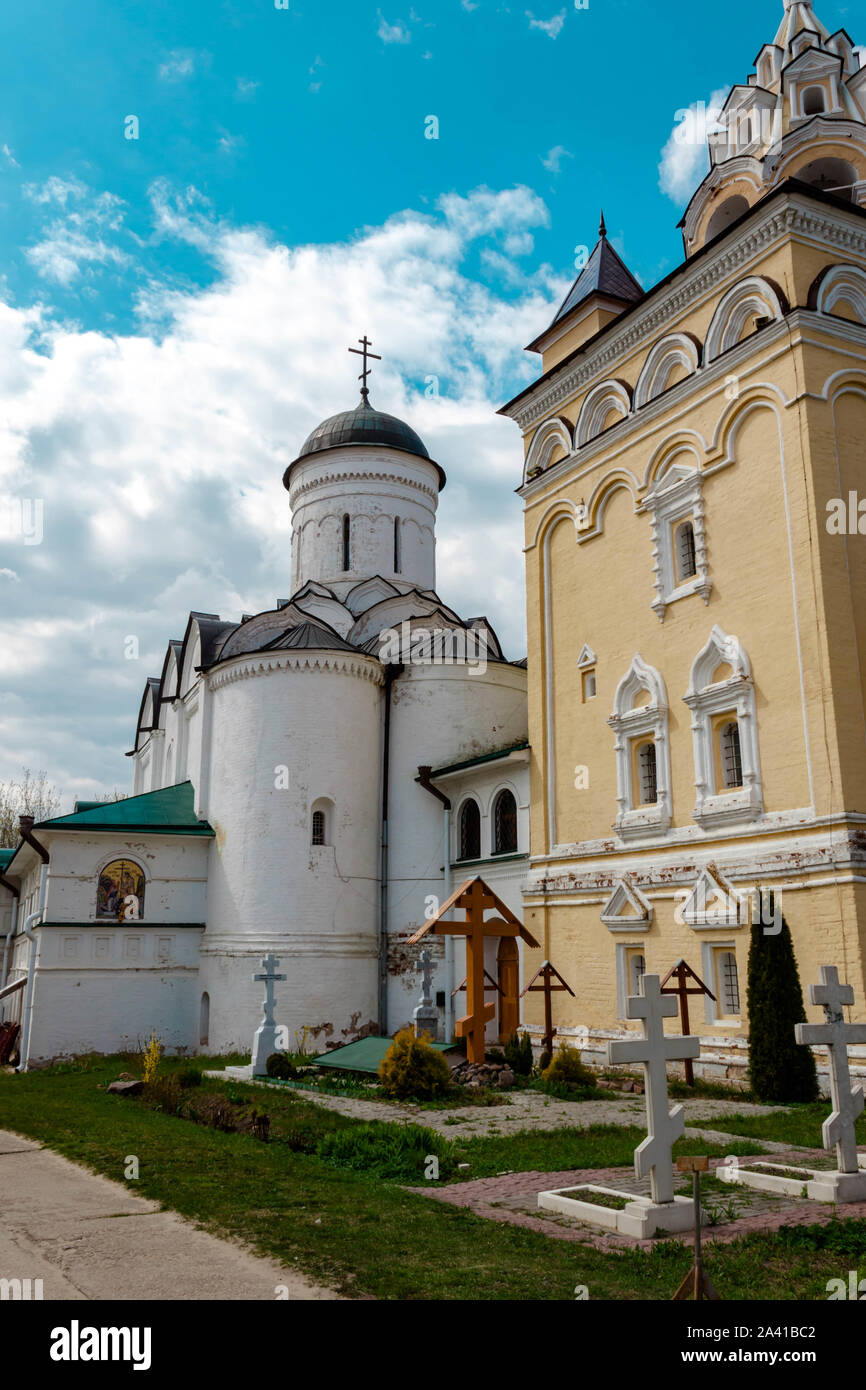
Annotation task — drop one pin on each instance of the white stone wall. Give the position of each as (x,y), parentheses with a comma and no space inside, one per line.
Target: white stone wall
(442,714)
(318,716)
(373,486)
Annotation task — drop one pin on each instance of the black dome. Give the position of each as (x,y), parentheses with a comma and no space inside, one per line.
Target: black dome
(363,425)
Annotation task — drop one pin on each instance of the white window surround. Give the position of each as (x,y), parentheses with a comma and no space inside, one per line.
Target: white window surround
(712,1007)
(632,819)
(714,806)
(677,496)
(842,283)
(598,404)
(622,974)
(616,914)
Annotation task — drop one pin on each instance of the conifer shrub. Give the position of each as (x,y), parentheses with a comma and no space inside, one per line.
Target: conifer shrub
(567,1069)
(280,1067)
(518,1054)
(412,1069)
(780,1069)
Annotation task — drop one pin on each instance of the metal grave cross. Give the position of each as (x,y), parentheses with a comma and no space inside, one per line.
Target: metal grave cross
(654,1050)
(265,1040)
(835,1034)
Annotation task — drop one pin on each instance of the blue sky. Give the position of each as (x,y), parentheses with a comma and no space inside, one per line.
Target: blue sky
(175,309)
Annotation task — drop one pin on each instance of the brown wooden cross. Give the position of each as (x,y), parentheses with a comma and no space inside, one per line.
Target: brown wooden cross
(546,974)
(683,973)
(475,897)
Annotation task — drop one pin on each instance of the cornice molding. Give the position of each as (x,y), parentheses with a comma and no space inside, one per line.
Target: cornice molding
(314,662)
(361,475)
(648,322)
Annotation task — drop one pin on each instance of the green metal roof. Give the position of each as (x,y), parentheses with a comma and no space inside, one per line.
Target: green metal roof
(364,1055)
(5,856)
(168,811)
(483,758)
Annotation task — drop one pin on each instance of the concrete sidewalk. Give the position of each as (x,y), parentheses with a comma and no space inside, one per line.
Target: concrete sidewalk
(88,1238)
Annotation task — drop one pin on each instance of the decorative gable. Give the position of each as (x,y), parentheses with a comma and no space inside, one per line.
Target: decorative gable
(712,902)
(627,909)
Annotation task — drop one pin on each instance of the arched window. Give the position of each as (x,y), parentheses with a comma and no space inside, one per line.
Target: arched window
(814,101)
(470,830)
(347,542)
(204,1020)
(120,891)
(396,545)
(646,767)
(505,824)
(321,822)
(729,750)
(686,558)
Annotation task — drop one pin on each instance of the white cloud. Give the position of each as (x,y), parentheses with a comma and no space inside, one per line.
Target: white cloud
(159,453)
(393,33)
(551,27)
(177,66)
(77,235)
(245,88)
(685,157)
(10,574)
(553,159)
(9,157)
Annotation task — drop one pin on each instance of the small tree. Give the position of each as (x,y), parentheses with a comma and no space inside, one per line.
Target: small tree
(780,1069)
(26,796)
(411,1068)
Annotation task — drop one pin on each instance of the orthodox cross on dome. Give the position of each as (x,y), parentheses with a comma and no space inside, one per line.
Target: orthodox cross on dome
(475,897)
(363,351)
(835,1034)
(654,1051)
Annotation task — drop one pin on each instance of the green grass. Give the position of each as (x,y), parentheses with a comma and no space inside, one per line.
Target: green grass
(360,1234)
(558,1150)
(797,1125)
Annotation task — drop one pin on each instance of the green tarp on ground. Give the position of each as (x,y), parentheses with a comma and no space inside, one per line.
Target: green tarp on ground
(364,1055)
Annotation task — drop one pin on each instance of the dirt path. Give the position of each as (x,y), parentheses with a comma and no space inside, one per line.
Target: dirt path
(86,1237)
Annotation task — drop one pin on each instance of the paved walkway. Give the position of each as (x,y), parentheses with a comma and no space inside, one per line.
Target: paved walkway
(512,1198)
(521,1110)
(88,1238)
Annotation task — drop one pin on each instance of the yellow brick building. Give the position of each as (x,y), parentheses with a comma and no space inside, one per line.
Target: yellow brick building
(696,571)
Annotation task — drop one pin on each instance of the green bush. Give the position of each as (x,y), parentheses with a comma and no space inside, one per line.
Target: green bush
(396,1152)
(544,1061)
(518,1054)
(780,1069)
(189,1077)
(163,1093)
(411,1069)
(568,1070)
(280,1067)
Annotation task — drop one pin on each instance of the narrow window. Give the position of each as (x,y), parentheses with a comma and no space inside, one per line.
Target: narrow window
(318,832)
(813,101)
(589,685)
(204,1021)
(505,824)
(396,545)
(686,562)
(347,546)
(636,971)
(727,983)
(646,764)
(470,830)
(729,747)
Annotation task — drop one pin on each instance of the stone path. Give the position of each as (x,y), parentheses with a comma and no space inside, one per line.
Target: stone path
(88,1238)
(511,1198)
(523,1110)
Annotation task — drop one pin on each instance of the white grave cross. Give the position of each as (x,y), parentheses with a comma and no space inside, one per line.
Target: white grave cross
(425,966)
(835,1034)
(265,1040)
(654,1050)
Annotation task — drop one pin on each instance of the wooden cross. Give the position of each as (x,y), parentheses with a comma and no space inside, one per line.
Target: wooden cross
(362,351)
(683,973)
(491,984)
(836,1034)
(475,897)
(547,975)
(654,1051)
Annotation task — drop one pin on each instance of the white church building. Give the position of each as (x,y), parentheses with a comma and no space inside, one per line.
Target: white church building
(310,781)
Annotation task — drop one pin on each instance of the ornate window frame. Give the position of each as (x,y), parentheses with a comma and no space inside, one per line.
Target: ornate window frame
(634,820)
(706,698)
(677,496)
